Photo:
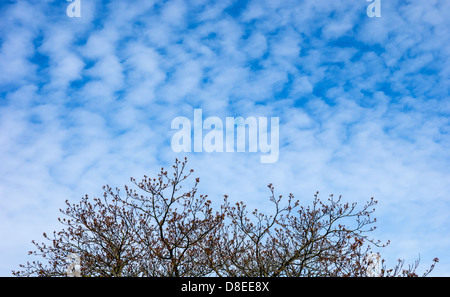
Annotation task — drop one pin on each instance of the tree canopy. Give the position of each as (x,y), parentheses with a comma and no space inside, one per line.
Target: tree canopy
(156,228)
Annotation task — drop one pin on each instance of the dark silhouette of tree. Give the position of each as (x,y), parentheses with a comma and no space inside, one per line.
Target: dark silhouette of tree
(160,230)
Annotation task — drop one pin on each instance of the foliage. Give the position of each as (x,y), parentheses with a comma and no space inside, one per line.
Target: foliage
(159,230)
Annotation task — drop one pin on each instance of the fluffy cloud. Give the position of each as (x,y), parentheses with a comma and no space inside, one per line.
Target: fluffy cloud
(362,102)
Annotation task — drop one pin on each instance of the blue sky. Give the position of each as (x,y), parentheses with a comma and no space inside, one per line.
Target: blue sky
(363,105)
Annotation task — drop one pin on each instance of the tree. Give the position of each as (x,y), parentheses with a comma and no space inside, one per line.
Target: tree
(160,230)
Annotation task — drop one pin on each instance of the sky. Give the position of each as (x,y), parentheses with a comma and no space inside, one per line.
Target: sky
(363,105)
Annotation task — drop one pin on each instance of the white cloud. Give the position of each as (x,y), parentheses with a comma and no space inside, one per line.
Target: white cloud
(15,51)
(362,106)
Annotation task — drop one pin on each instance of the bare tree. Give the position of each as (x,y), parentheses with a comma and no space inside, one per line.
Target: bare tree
(160,230)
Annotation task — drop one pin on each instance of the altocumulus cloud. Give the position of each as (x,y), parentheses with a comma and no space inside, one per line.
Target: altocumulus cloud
(363,105)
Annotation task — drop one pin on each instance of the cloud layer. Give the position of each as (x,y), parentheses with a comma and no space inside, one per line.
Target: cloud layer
(363,105)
